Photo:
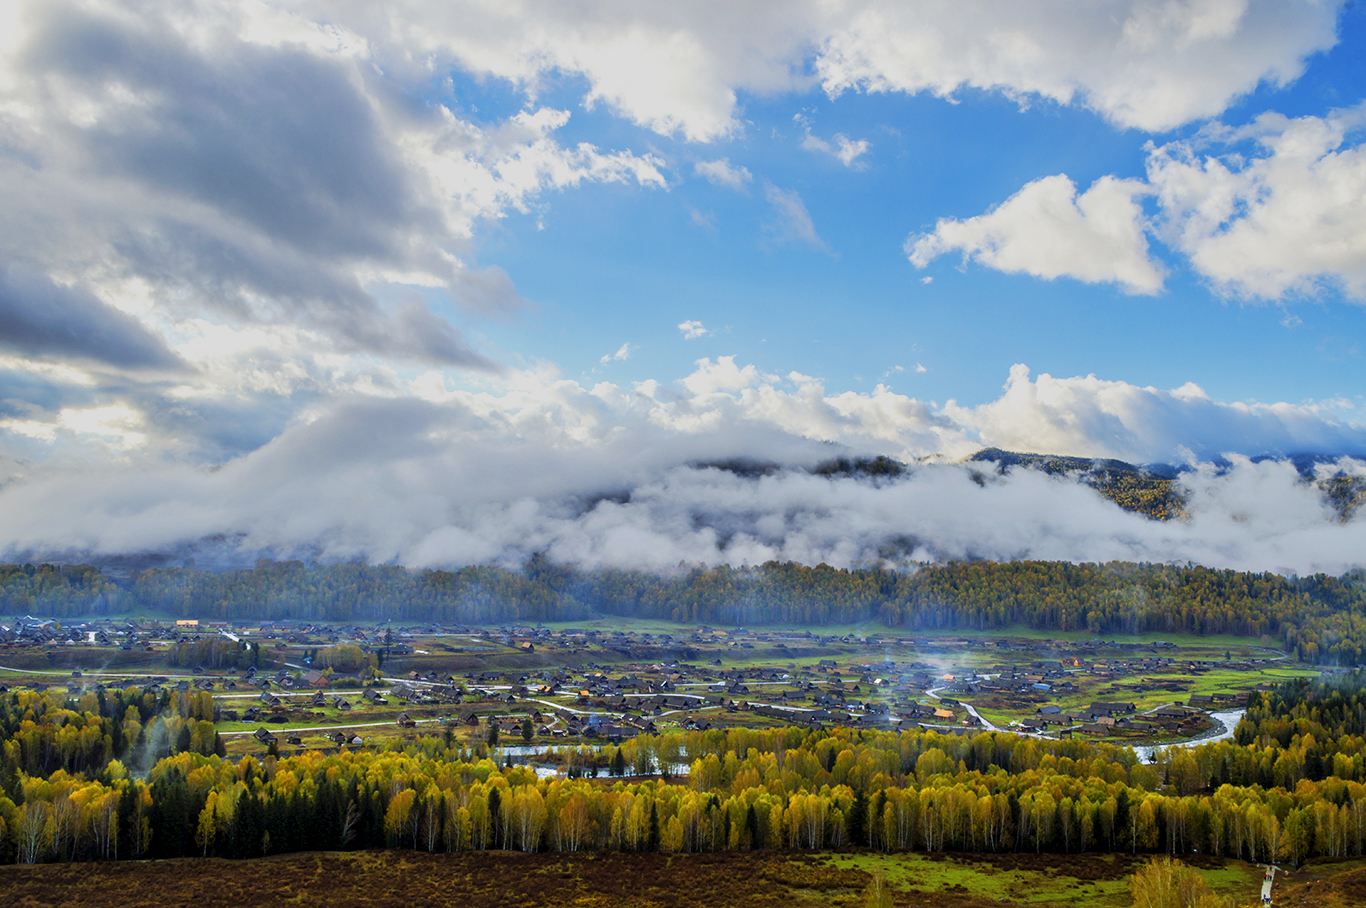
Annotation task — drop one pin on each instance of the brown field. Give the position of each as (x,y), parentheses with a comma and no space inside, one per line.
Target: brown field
(1338,884)
(409,879)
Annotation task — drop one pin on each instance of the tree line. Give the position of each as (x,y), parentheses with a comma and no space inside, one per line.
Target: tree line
(783,788)
(1319,618)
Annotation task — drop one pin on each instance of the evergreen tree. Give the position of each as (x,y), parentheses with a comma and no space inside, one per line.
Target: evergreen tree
(857,819)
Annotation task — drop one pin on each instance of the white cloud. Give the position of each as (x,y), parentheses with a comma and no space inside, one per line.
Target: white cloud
(155,154)
(1281,221)
(693,329)
(720,376)
(521,467)
(1272,210)
(108,428)
(723,173)
(1149,65)
(519,160)
(683,68)
(791,222)
(621,354)
(674,69)
(842,148)
(1105,418)
(256,388)
(1049,230)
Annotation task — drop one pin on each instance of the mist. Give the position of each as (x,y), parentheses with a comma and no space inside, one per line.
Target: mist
(427,486)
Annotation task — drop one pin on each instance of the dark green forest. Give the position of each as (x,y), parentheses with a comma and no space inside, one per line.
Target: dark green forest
(1320,619)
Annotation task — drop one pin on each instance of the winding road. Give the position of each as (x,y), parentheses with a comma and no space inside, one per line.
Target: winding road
(86,674)
(933,694)
(288,729)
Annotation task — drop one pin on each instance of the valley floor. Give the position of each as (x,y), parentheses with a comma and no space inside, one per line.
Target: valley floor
(404,879)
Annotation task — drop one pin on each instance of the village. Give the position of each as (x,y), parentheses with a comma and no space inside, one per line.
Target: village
(290,686)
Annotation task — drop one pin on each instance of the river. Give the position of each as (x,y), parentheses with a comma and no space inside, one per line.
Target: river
(1227,719)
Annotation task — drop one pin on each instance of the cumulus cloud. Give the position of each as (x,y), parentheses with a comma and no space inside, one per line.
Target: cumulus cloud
(1085,416)
(681,69)
(1148,65)
(1106,418)
(1279,219)
(1270,210)
(723,173)
(674,69)
(693,329)
(1049,230)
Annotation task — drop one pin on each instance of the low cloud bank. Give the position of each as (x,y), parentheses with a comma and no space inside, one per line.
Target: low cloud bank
(431,485)
(610,476)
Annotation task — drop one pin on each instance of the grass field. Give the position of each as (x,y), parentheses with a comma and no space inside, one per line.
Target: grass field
(403,878)
(1211,682)
(1099,880)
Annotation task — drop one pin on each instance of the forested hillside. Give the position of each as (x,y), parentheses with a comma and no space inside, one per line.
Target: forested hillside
(1152,492)
(1319,618)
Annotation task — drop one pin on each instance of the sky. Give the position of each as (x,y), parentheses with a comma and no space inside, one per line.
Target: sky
(521,254)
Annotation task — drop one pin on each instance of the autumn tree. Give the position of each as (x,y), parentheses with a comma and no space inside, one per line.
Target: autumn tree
(1167,883)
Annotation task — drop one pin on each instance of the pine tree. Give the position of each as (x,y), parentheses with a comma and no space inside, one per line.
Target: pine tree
(858,819)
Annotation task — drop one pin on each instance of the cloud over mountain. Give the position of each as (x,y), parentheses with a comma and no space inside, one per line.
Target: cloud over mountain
(608,476)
